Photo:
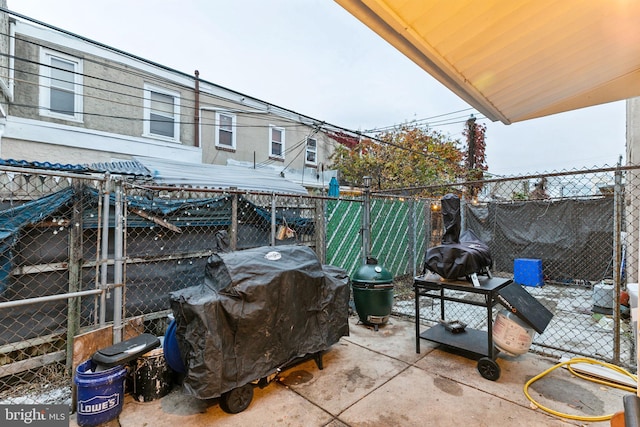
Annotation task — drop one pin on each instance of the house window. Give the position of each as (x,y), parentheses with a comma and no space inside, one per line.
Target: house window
(276,146)
(60,86)
(225,130)
(161,113)
(311,157)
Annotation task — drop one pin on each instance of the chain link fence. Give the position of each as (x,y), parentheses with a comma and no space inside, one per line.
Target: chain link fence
(583,227)
(171,232)
(398,233)
(69,241)
(49,238)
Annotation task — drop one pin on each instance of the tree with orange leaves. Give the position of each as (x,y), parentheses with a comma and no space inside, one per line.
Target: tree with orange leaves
(404,158)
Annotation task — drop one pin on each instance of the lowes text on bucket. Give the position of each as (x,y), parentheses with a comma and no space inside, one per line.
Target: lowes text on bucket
(98,404)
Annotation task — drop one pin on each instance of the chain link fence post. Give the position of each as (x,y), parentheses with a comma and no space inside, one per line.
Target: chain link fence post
(320,233)
(617,260)
(103,254)
(75,269)
(411,235)
(118,264)
(273,219)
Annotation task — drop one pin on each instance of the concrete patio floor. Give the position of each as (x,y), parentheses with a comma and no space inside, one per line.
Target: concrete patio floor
(376,378)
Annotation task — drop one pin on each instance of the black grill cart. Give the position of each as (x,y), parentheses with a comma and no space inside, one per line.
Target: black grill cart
(479,342)
(471,340)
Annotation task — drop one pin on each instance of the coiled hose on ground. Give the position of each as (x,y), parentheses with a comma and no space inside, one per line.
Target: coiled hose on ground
(568,363)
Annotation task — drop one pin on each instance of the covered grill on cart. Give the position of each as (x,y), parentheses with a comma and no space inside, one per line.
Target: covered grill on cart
(257,311)
(450,267)
(459,255)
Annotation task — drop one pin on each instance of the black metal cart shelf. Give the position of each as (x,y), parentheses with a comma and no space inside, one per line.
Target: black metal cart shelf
(475,341)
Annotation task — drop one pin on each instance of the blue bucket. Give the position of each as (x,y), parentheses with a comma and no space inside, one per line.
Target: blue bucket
(171,349)
(100,395)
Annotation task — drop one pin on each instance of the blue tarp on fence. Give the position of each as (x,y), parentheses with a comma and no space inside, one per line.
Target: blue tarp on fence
(12,220)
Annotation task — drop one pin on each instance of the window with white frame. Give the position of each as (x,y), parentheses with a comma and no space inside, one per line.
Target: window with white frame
(276,145)
(161,113)
(60,85)
(225,130)
(311,157)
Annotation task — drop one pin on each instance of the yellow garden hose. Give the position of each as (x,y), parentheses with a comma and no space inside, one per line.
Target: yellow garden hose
(589,378)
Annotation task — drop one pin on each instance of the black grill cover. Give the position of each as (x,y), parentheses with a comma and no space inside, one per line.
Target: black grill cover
(456,260)
(450,204)
(257,310)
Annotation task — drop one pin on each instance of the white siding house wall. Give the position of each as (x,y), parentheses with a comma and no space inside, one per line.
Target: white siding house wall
(633,158)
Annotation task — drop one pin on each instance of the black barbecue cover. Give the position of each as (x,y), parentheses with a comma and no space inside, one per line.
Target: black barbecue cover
(257,310)
(456,260)
(459,255)
(451,218)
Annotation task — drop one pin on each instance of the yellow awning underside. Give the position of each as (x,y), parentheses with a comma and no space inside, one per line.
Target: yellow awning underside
(515,60)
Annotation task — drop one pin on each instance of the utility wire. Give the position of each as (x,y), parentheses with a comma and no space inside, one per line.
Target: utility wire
(432,125)
(259,116)
(428,121)
(416,122)
(304,149)
(154,64)
(190,122)
(288,150)
(112,99)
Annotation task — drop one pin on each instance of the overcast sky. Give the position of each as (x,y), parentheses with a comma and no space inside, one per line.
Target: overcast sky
(313,57)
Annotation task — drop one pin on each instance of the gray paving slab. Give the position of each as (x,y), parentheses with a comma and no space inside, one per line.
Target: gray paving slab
(375,378)
(350,373)
(558,390)
(274,405)
(419,398)
(394,339)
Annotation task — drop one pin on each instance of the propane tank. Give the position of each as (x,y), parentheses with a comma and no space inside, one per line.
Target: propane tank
(511,335)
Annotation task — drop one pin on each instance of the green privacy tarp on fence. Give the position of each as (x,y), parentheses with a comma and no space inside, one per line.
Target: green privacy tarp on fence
(399,230)
(398,234)
(344,241)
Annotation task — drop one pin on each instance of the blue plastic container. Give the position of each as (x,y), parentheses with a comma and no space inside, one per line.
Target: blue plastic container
(528,272)
(100,395)
(171,349)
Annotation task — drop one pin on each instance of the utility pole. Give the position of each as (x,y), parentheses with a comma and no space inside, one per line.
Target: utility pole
(471,143)
(471,153)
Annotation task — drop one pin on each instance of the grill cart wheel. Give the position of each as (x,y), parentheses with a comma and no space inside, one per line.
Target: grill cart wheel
(237,400)
(488,368)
